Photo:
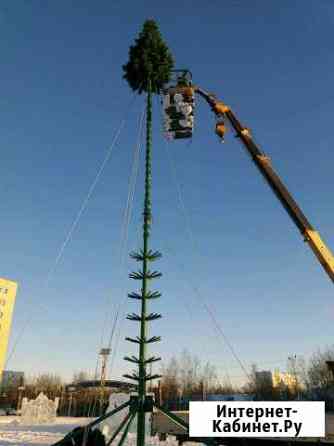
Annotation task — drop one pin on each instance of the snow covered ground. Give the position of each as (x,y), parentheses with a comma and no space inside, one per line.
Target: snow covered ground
(13,433)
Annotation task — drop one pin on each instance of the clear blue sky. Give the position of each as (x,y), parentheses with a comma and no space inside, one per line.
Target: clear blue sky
(62,99)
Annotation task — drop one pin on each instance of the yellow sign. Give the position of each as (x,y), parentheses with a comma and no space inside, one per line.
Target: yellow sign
(7,300)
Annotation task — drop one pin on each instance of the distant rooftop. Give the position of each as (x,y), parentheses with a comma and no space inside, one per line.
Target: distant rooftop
(111,383)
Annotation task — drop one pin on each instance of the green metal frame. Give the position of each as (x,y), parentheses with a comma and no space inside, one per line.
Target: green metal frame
(134,408)
(177,420)
(73,435)
(145,256)
(141,403)
(120,427)
(109,414)
(126,430)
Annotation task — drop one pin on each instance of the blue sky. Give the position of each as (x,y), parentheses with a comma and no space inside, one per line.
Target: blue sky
(62,100)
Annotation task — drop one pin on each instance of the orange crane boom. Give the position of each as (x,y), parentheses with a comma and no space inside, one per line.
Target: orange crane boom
(263,163)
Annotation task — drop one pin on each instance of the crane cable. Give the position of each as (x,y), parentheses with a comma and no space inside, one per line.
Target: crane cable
(74,225)
(207,308)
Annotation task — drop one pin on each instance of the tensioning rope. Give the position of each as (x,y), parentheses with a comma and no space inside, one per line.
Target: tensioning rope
(190,232)
(128,213)
(124,299)
(74,225)
(125,230)
(123,311)
(197,292)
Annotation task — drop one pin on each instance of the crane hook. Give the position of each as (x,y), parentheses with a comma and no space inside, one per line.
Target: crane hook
(221,129)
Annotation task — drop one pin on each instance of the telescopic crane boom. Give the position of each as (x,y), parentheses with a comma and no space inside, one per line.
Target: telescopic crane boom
(263,163)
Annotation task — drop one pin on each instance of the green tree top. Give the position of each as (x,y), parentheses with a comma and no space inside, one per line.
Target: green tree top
(149,59)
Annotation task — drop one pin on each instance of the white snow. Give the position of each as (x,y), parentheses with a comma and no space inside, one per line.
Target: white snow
(13,433)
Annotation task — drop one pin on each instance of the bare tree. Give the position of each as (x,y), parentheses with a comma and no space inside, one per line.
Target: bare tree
(50,384)
(209,378)
(319,374)
(170,387)
(260,385)
(224,388)
(189,373)
(82,375)
(187,377)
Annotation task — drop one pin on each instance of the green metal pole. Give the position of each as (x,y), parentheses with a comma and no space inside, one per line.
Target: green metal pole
(146,234)
(126,430)
(177,420)
(145,256)
(120,427)
(109,414)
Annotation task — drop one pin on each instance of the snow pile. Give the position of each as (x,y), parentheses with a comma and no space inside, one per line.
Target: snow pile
(39,411)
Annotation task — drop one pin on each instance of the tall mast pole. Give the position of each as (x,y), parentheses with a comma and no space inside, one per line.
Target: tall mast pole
(147,70)
(146,233)
(145,256)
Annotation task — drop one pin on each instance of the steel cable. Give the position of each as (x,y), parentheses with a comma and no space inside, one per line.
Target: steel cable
(196,248)
(73,226)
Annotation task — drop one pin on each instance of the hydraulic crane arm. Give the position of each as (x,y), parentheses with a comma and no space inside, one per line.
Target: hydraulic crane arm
(263,163)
